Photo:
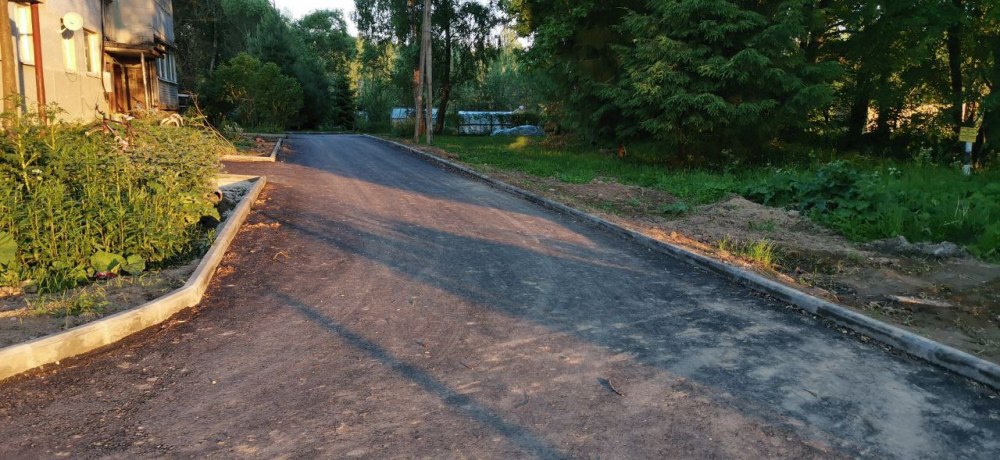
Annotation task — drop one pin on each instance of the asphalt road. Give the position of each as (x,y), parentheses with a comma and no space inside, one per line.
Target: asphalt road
(377,306)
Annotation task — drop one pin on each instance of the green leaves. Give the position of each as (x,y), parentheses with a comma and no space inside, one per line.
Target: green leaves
(91,204)
(253,93)
(134,265)
(714,75)
(106,262)
(8,249)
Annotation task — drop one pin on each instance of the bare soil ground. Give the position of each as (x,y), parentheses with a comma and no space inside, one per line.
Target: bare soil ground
(29,316)
(955,301)
(260,148)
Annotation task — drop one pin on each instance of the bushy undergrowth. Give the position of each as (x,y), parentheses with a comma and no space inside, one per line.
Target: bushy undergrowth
(867,202)
(862,199)
(77,202)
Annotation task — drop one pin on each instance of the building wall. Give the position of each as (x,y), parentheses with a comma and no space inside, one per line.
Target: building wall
(78,91)
(137,22)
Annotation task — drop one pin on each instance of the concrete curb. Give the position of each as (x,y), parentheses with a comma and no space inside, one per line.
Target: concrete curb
(328,133)
(957,361)
(251,159)
(271,136)
(23,357)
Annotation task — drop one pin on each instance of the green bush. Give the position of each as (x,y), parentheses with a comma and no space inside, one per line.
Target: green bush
(868,202)
(252,93)
(75,202)
(404,128)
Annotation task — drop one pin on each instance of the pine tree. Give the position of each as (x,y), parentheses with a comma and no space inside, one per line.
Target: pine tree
(712,75)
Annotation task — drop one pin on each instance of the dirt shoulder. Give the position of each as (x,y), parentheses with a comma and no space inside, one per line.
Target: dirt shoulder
(954,300)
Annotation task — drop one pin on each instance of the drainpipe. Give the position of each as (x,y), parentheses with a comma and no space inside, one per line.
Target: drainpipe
(36,39)
(145,79)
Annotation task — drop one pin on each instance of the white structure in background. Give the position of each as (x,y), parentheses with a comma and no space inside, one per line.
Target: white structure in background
(401,114)
(483,122)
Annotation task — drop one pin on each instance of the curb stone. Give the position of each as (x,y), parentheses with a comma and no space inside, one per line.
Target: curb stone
(272,136)
(22,357)
(955,360)
(252,159)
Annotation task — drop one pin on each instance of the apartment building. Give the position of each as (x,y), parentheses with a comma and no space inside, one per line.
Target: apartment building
(112,56)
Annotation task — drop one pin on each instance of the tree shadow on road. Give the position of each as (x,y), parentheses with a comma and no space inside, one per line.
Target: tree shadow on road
(769,364)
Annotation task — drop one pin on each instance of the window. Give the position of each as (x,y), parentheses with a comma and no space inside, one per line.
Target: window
(25,45)
(69,53)
(166,67)
(92,50)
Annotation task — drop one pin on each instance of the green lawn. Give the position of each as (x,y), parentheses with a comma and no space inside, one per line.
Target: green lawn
(862,199)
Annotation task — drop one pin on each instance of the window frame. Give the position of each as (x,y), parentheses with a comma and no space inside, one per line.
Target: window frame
(25,35)
(166,68)
(69,54)
(92,51)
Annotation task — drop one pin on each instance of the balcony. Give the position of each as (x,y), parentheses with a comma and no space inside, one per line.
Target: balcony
(139,26)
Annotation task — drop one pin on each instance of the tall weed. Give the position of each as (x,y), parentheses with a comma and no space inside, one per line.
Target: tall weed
(69,193)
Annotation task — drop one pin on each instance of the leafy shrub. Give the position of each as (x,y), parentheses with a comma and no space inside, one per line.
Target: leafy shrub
(922,203)
(74,202)
(404,128)
(833,186)
(252,93)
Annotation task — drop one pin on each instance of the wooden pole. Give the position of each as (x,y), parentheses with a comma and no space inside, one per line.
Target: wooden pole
(418,86)
(428,59)
(9,71)
(36,39)
(145,79)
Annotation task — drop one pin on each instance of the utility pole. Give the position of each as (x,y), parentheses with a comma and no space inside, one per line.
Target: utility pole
(9,70)
(418,76)
(428,59)
(36,40)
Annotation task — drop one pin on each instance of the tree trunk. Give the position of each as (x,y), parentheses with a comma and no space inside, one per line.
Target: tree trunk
(428,69)
(858,119)
(215,47)
(446,83)
(418,76)
(9,73)
(955,66)
(980,151)
(418,101)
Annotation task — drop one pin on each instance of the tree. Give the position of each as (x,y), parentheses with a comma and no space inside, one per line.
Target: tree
(574,47)
(709,75)
(198,28)
(462,31)
(324,33)
(211,31)
(252,93)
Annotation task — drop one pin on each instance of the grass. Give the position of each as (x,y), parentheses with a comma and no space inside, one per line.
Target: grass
(579,165)
(761,252)
(91,300)
(864,199)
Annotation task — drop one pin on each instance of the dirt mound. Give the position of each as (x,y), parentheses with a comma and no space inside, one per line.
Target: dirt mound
(610,195)
(740,219)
